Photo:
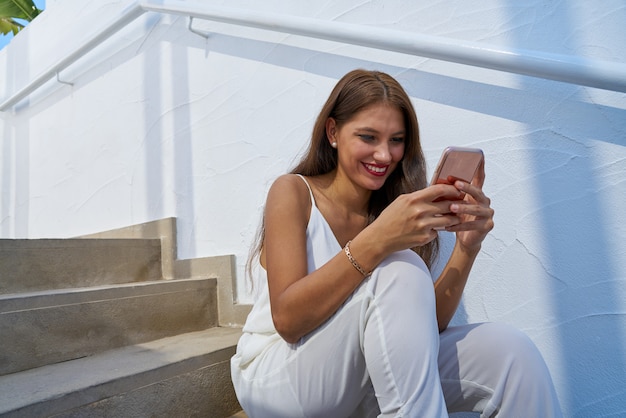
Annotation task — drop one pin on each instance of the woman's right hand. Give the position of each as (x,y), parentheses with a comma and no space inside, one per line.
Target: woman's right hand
(413,219)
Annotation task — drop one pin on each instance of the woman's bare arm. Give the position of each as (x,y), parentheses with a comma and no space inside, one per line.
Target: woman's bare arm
(300,301)
(476,217)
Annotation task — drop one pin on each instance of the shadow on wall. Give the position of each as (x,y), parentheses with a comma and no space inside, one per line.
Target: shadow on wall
(589,324)
(15,159)
(180,136)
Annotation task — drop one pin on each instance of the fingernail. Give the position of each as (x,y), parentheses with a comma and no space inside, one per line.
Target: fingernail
(454,207)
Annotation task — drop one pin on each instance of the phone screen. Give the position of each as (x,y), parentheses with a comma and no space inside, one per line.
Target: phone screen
(457,163)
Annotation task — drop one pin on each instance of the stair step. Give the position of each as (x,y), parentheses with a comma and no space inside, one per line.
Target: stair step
(184,375)
(41,328)
(42,264)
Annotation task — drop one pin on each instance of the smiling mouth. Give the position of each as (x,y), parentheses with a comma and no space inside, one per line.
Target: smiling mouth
(375,169)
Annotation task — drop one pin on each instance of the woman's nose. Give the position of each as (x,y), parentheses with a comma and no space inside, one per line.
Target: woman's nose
(382,153)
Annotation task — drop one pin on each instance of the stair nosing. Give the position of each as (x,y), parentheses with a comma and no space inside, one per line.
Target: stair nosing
(15,302)
(11,244)
(168,356)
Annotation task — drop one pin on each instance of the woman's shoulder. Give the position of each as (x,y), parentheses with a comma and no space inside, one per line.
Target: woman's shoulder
(290,183)
(288,205)
(290,189)
(293,179)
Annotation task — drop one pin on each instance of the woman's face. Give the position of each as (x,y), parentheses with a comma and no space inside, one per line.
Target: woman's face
(370,145)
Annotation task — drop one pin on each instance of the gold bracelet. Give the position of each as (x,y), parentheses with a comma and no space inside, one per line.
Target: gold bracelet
(356,265)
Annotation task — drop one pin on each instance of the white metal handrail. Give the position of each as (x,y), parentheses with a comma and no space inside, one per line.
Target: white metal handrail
(570,69)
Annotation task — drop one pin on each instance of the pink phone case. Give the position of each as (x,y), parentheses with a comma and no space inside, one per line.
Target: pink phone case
(457,163)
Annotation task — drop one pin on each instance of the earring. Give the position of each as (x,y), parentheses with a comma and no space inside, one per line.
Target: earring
(333,144)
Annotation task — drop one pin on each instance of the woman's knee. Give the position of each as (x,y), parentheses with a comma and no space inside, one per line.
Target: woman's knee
(404,259)
(402,272)
(506,348)
(510,342)
(498,339)
(498,357)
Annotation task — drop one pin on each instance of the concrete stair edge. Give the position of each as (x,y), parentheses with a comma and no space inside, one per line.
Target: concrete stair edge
(46,298)
(42,264)
(51,327)
(53,389)
(230,313)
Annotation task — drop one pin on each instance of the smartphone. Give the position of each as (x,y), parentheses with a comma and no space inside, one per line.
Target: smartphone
(457,163)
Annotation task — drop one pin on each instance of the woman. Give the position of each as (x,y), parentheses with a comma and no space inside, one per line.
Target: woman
(347,321)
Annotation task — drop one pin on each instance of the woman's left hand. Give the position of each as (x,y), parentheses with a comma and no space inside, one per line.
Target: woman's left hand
(474,211)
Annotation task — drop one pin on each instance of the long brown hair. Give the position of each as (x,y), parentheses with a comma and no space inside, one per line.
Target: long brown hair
(354,92)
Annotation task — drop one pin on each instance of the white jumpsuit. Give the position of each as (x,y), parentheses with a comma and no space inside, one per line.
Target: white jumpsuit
(381,354)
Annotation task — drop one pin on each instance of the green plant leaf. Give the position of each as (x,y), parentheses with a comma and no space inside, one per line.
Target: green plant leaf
(18,9)
(9,25)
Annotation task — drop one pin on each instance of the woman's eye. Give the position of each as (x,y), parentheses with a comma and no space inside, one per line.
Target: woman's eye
(398,139)
(366,137)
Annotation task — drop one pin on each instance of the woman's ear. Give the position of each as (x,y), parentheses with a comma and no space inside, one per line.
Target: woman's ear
(331,131)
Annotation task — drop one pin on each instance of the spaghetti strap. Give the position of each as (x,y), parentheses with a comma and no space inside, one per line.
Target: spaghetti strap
(308,187)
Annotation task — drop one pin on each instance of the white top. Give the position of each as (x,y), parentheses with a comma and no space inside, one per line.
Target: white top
(258,331)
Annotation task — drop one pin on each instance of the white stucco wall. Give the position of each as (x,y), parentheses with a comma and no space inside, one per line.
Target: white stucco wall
(160,122)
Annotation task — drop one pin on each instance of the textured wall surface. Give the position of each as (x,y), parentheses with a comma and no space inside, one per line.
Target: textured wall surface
(161,122)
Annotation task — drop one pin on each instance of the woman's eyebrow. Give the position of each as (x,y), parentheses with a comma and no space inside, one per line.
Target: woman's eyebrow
(368,129)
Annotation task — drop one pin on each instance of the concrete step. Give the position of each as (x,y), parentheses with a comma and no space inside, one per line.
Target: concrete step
(182,376)
(40,328)
(221,266)
(28,265)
